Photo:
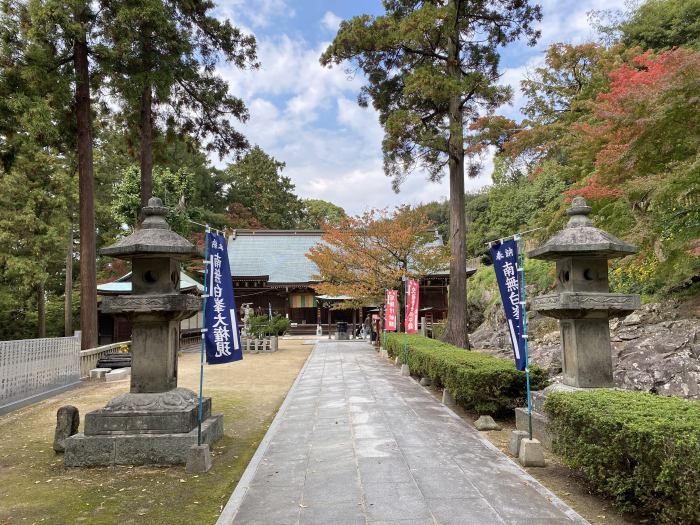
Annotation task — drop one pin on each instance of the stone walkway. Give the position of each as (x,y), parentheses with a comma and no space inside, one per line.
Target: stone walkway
(355,442)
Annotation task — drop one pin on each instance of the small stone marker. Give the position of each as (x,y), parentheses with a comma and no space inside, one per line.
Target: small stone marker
(486,423)
(405,371)
(198,459)
(396,361)
(515,438)
(425,381)
(99,373)
(531,453)
(447,399)
(117,375)
(67,423)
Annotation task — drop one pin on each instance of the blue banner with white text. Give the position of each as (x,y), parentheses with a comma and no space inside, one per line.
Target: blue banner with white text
(223,340)
(505,263)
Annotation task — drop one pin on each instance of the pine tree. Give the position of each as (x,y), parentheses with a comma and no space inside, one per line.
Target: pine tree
(431,68)
(161,57)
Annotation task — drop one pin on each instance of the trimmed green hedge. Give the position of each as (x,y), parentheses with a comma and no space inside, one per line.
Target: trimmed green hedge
(640,449)
(480,382)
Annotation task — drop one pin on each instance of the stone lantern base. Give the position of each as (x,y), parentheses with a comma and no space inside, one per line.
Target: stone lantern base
(143,429)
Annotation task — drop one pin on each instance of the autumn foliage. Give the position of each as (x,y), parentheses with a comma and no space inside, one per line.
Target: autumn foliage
(638,121)
(365,255)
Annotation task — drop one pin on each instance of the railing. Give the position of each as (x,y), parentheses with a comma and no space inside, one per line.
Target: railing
(31,367)
(89,358)
(190,340)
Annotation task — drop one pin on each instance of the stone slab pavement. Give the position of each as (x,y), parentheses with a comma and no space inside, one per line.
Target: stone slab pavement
(356,442)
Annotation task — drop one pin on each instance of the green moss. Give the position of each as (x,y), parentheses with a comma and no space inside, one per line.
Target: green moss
(641,450)
(43,489)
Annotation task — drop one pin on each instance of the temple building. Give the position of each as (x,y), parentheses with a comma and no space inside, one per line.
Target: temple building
(270,270)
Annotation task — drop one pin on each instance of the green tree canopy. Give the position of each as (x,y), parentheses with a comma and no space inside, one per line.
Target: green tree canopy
(173,188)
(317,212)
(257,183)
(663,24)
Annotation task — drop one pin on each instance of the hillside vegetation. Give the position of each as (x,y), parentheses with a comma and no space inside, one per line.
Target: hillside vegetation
(618,124)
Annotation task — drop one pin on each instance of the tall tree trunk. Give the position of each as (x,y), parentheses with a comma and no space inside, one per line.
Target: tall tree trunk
(41,310)
(456,330)
(88,280)
(68,288)
(146,145)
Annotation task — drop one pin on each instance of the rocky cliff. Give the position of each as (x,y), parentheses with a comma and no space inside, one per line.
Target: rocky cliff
(656,349)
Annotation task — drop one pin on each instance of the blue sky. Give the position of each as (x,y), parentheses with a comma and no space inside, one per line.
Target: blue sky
(307,115)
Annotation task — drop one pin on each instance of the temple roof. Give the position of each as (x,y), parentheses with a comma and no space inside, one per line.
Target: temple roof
(279,254)
(122,285)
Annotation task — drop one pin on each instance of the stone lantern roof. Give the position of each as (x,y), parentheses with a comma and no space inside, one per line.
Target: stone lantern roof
(153,238)
(581,238)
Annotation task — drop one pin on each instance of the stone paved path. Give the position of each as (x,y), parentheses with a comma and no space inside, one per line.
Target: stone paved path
(355,442)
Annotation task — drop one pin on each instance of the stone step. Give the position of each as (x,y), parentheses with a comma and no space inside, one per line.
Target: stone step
(119,374)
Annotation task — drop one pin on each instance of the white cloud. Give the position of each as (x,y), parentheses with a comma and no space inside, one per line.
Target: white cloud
(256,13)
(307,115)
(331,21)
(512,77)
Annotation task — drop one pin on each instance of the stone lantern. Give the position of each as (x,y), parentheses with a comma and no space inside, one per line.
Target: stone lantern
(155,422)
(582,302)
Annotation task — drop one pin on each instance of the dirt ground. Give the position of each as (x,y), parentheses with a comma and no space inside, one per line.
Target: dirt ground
(557,477)
(35,487)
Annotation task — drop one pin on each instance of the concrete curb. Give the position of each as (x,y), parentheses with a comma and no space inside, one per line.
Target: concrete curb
(536,485)
(234,502)
(21,403)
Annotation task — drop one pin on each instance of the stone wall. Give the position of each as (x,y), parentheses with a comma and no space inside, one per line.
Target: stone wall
(656,349)
(31,367)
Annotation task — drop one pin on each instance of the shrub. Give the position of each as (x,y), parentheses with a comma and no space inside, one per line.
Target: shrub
(261,325)
(640,449)
(477,381)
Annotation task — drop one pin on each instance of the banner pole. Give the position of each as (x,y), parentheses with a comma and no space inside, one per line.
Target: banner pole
(204,334)
(405,315)
(523,302)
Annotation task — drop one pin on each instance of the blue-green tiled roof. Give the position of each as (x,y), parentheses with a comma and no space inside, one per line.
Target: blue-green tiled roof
(281,255)
(123,285)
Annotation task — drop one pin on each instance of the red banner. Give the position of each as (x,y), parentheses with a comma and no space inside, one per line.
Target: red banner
(411,307)
(392,308)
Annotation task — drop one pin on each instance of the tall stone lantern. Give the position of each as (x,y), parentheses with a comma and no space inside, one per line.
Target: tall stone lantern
(583,302)
(155,422)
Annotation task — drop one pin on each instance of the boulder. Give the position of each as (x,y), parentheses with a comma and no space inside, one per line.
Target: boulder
(486,423)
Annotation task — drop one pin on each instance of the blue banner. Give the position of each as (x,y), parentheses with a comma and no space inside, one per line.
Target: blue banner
(223,339)
(505,263)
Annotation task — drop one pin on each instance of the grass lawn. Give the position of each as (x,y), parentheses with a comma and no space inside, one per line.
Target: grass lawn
(35,487)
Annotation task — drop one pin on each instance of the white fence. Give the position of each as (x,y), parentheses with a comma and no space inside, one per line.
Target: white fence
(31,367)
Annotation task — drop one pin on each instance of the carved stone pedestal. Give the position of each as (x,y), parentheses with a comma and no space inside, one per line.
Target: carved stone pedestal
(138,429)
